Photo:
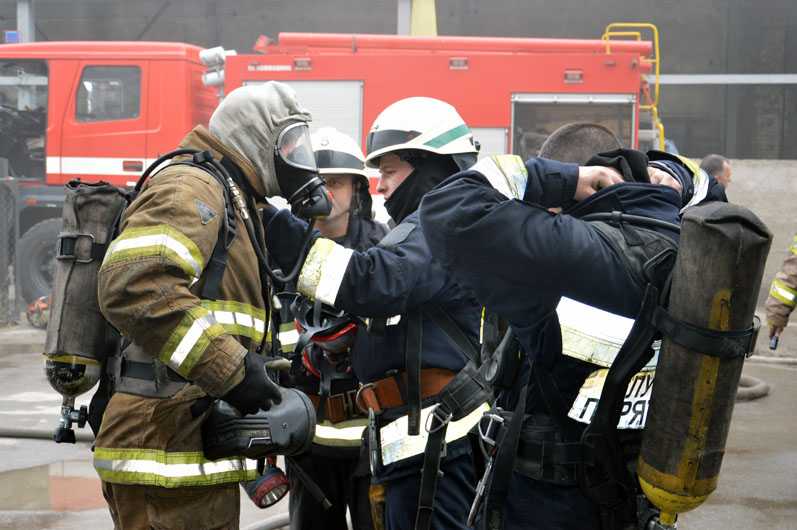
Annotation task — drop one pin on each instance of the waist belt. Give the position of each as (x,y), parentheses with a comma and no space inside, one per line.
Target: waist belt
(391,391)
(338,407)
(139,370)
(543,454)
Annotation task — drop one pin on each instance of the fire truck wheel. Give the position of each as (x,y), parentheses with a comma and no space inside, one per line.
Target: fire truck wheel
(36,259)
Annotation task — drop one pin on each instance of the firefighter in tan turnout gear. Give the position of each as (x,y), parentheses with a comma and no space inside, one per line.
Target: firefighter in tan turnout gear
(782,295)
(185,349)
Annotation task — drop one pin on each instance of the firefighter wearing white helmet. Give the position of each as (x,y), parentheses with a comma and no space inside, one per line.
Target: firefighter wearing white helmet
(407,359)
(341,163)
(422,140)
(322,369)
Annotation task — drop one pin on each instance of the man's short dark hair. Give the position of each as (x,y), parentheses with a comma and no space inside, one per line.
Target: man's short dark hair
(577,142)
(712,164)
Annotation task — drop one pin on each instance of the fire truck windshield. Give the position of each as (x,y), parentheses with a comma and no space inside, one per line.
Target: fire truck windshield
(23,116)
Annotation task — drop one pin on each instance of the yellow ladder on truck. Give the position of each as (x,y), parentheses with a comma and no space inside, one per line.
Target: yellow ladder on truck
(632,29)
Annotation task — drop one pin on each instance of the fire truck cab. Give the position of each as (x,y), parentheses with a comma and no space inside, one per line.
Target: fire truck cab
(88,110)
(512,92)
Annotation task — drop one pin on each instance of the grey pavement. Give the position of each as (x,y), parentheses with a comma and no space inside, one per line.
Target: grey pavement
(45,485)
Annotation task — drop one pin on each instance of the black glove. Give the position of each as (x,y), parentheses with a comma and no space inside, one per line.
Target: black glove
(256,392)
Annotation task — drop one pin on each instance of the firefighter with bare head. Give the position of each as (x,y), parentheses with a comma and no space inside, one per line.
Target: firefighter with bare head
(186,346)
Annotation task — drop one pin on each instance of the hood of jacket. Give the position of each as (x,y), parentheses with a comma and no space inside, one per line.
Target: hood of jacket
(249,121)
(201,138)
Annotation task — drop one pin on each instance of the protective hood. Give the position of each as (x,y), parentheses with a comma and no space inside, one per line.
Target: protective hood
(249,121)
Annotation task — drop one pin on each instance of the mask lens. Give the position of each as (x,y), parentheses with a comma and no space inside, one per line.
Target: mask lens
(295,148)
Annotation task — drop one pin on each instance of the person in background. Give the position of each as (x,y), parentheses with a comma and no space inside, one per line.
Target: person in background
(718,167)
(782,295)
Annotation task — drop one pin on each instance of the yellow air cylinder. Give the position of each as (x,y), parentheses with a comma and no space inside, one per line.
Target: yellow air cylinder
(716,281)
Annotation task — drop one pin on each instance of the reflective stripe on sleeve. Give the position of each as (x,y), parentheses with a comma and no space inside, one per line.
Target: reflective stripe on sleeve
(161,240)
(783,293)
(169,470)
(189,340)
(593,335)
(237,318)
(793,246)
(288,335)
(323,270)
(506,173)
(347,433)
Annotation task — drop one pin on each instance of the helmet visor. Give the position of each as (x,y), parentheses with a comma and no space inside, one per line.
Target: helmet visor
(329,159)
(377,140)
(295,148)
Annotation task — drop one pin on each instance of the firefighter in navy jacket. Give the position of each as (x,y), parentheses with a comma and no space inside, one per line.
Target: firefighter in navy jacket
(491,227)
(416,143)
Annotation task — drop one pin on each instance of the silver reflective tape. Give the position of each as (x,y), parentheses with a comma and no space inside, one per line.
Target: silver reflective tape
(170,470)
(190,339)
(784,293)
(158,240)
(397,444)
(593,335)
(339,433)
(332,272)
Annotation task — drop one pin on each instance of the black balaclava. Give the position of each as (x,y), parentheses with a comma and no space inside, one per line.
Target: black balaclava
(430,170)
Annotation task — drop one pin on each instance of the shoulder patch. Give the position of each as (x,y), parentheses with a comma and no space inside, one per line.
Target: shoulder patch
(206,213)
(397,235)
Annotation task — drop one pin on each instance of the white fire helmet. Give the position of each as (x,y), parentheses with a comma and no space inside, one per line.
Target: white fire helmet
(422,123)
(337,153)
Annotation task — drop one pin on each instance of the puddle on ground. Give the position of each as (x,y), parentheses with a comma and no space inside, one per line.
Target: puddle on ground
(67,485)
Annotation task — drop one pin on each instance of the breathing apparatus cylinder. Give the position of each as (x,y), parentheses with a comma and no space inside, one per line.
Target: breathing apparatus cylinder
(284,429)
(715,285)
(77,339)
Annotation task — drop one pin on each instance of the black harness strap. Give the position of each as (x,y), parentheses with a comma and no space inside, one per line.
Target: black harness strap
(413,364)
(435,449)
(498,489)
(452,331)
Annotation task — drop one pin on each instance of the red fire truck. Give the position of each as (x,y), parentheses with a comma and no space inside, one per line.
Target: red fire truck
(104,110)
(89,110)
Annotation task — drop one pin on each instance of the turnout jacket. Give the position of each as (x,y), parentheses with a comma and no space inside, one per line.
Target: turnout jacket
(149,287)
(783,292)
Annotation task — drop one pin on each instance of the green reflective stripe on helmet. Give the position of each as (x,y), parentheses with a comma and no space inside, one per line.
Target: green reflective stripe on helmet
(783,293)
(189,340)
(169,469)
(448,136)
(237,318)
(161,240)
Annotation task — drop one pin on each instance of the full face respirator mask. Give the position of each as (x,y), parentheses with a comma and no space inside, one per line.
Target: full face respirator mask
(297,173)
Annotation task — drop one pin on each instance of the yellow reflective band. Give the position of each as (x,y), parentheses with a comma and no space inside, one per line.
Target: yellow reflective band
(783,293)
(397,444)
(169,470)
(237,318)
(793,246)
(593,335)
(506,173)
(323,270)
(161,240)
(72,359)
(700,180)
(189,340)
(346,433)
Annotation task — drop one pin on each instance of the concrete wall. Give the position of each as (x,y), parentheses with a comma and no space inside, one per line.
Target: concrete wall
(769,189)
(711,36)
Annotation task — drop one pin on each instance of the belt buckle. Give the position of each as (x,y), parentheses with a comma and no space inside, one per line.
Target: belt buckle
(435,413)
(490,434)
